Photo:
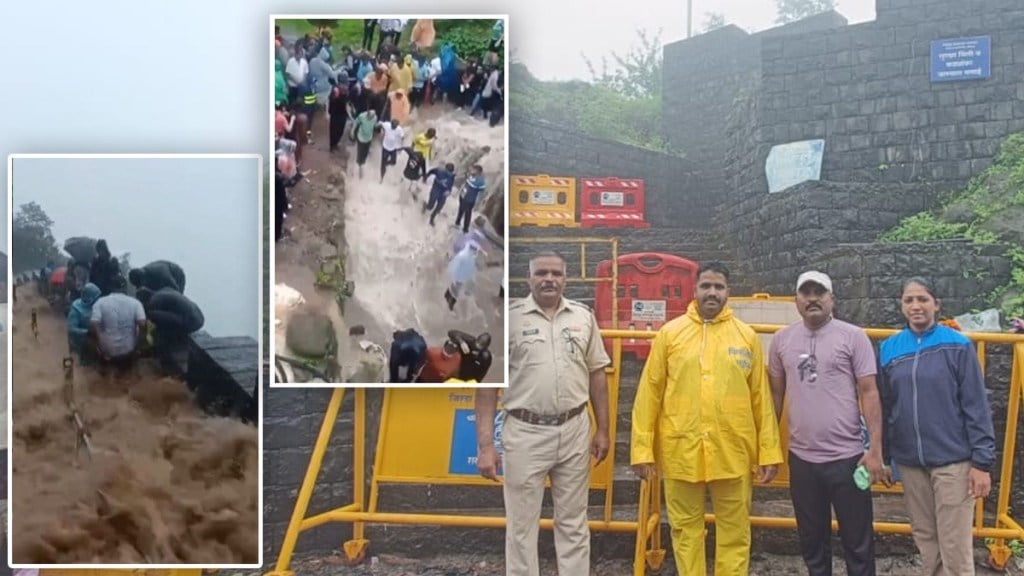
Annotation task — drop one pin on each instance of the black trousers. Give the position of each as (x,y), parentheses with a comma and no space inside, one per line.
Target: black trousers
(338,121)
(368,28)
(387,158)
(818,488)
(465,211)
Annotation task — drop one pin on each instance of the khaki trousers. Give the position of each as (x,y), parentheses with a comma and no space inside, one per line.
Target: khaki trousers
(730,500)
(532,453)
(941,517)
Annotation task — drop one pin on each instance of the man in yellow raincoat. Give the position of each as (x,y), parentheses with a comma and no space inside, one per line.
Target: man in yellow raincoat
(703,419)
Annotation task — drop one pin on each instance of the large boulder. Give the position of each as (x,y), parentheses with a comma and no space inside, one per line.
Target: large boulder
(310,335)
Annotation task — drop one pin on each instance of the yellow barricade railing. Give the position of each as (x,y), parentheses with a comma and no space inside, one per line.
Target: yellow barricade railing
(649,551)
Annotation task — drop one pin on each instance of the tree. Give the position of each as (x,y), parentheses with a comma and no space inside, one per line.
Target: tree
(32,242)
(637,74)
(713,21)
(793,10)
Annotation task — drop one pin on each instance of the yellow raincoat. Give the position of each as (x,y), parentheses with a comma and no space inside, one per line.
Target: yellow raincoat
(402,78)
(423,145)
(703,408)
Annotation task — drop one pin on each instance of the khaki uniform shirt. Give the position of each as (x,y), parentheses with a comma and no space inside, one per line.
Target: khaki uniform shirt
(550,361)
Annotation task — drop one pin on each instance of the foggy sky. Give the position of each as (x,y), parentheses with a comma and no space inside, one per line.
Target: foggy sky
(199,213)
(549,37)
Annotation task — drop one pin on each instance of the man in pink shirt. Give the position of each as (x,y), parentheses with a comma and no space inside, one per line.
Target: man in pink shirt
(823,365)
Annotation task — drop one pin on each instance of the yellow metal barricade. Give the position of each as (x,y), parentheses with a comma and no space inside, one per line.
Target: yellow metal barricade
(763,308)
(542,200)
(427,436)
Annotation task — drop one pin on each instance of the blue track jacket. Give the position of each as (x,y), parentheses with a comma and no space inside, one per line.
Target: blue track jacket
(934,402)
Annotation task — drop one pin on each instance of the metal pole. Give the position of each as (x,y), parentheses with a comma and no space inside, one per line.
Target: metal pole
(81,433)
(689,18)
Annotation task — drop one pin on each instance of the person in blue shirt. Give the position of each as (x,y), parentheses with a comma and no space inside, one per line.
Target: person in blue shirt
(364,66)
(937,428)
(474,186)
(79,316)
(444,179)
(416,98)
(408,354)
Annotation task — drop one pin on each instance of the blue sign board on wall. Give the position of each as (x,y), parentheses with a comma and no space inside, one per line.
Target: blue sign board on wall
(958,59)
(463,454)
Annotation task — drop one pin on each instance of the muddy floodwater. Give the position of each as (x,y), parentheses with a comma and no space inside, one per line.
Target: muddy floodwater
(165,483)
(399,261)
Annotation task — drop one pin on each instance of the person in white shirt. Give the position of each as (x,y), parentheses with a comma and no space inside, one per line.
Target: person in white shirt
(392,29)
(295,72)
(394,138)
(487,95)
(119,323)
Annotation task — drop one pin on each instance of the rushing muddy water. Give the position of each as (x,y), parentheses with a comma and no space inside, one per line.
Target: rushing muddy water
(165,483)
(399,261)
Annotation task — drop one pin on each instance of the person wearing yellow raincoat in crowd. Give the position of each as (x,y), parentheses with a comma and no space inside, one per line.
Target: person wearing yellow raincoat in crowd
(703,420)
(424,143)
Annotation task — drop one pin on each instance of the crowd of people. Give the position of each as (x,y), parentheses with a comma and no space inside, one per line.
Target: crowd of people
(107,327)
(705,421)
(367,95)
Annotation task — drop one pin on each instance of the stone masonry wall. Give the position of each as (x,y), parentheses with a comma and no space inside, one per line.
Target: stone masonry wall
(702,79)
(866,90)
(868,278)
(675,196)
(775,236)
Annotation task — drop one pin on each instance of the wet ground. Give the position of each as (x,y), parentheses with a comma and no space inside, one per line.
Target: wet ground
(397,261)
(164,482)
(493,565)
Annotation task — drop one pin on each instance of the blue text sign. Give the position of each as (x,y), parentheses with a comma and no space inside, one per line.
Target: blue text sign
(958,59)
(463,452)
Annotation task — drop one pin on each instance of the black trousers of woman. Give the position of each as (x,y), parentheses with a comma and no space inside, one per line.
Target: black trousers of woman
(338,121)
(368,27)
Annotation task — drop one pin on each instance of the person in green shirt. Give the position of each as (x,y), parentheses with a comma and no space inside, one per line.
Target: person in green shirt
(280,85)
(364,127)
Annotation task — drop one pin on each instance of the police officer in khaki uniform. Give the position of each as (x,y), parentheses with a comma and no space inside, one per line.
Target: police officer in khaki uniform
(556,366)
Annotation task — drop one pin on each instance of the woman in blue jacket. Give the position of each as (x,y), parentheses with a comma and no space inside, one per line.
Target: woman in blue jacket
(938,430)
(79,316)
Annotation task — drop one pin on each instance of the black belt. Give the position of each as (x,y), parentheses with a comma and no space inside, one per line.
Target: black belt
(542,420)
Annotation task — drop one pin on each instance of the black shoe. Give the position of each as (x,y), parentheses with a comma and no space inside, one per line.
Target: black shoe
(451,300)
